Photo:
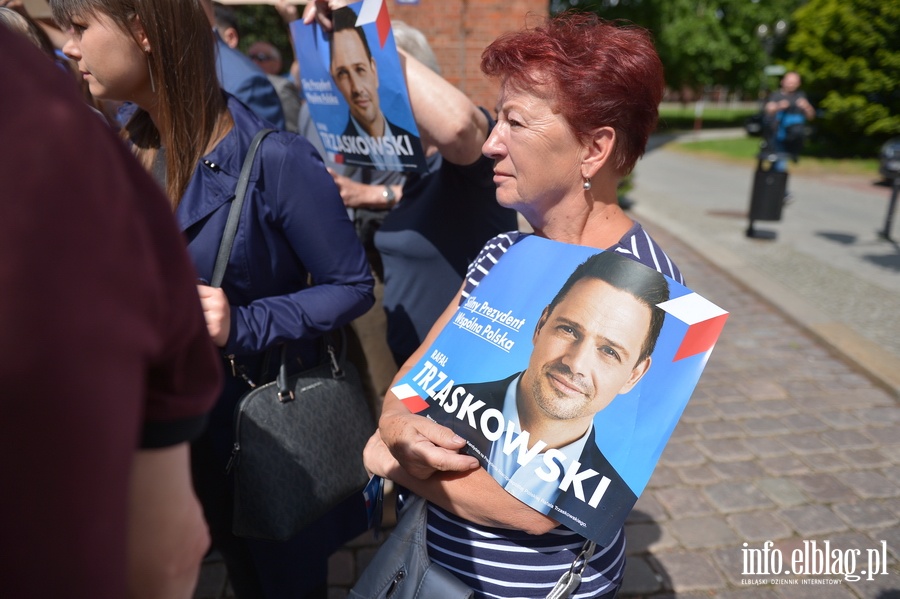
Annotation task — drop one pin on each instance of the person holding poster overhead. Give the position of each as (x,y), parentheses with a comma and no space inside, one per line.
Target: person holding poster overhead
(578,100)
(445,214)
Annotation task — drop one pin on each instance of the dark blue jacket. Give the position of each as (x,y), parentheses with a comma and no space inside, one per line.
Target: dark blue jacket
(293,226)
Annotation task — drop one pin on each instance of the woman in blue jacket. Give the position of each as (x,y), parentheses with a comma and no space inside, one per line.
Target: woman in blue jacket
(296,269)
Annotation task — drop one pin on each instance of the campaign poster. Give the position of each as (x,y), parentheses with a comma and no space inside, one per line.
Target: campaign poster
(354,85)
(566,370)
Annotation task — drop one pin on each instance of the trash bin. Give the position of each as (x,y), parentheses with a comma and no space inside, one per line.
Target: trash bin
(767,196)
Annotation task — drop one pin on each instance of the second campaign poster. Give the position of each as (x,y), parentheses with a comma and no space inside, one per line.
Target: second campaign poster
(566,370)
(354,86)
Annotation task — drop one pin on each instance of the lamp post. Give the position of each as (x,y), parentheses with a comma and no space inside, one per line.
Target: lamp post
(767,194)
(768,36)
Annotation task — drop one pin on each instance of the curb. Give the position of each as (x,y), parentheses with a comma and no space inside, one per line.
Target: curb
(880,366)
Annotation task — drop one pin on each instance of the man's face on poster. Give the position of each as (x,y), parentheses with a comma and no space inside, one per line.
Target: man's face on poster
(586,351)
(356,77)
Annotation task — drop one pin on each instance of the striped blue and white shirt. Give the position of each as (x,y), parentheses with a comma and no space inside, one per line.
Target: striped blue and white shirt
(510,564)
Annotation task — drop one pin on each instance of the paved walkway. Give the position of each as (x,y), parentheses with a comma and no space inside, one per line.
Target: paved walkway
(786,438)
(828,269)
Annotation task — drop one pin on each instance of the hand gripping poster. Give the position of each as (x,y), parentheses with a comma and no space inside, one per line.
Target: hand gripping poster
(353,83)
(566,370)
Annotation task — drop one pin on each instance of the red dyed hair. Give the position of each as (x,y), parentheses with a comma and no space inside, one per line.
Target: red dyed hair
(603,74)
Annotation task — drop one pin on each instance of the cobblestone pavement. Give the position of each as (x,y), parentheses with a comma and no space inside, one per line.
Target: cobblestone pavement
(782,441)
(786,439)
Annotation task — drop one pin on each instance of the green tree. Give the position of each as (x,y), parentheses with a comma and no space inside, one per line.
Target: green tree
(848,54)
(750,52)
(693,45)
(701,42)
(262,22)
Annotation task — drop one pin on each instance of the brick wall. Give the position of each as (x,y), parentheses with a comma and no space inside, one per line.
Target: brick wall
(458,30)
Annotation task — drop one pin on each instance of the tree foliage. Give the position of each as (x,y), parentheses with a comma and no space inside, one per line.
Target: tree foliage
(261,22)
(848,53)
(702,42)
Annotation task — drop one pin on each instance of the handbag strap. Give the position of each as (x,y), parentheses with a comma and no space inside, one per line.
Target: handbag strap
(234,214)
(335,348)
(571,579)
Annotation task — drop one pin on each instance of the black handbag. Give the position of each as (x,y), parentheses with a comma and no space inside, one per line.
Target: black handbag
(401,569)
(299,439)
(298,447)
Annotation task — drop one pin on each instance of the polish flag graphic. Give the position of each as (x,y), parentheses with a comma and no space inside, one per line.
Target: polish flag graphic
(703,320)
(410,398)
(375,11)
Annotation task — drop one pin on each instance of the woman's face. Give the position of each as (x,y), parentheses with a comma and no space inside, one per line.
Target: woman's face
(110,59)
(537,158)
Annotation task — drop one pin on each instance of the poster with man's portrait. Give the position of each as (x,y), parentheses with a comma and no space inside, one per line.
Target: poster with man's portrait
(353,83)
(566,370)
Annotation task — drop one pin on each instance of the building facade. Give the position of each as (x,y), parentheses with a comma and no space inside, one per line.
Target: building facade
(458,31)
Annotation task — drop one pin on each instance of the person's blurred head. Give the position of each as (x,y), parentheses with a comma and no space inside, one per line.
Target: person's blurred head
(354,70)
(33,32)
(414,42)
(592,72)
(160,55)
(226,23)
(27,27)
(266,56)
(790,82)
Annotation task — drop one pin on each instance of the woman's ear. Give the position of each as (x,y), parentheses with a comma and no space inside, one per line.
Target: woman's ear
(137,30)
(598,151)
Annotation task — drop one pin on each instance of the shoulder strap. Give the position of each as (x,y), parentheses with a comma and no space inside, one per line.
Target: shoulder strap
(569,582)
(234,214)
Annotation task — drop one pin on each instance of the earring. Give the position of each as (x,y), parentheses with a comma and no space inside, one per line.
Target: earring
(150,68)
(587,184)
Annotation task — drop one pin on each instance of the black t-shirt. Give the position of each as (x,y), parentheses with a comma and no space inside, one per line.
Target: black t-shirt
(428,240)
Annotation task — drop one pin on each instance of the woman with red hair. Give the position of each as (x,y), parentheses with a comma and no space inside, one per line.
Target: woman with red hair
(578,100)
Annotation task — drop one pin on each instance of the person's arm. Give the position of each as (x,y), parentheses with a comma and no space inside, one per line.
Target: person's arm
(365,195)
(422,446)
(473,495)
(302,199)
(445,116)
(167,535)
(424,457)
(288,11)
(772,106)
(803,104)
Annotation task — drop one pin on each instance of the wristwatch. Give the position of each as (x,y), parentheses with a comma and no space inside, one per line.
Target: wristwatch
(389,196)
